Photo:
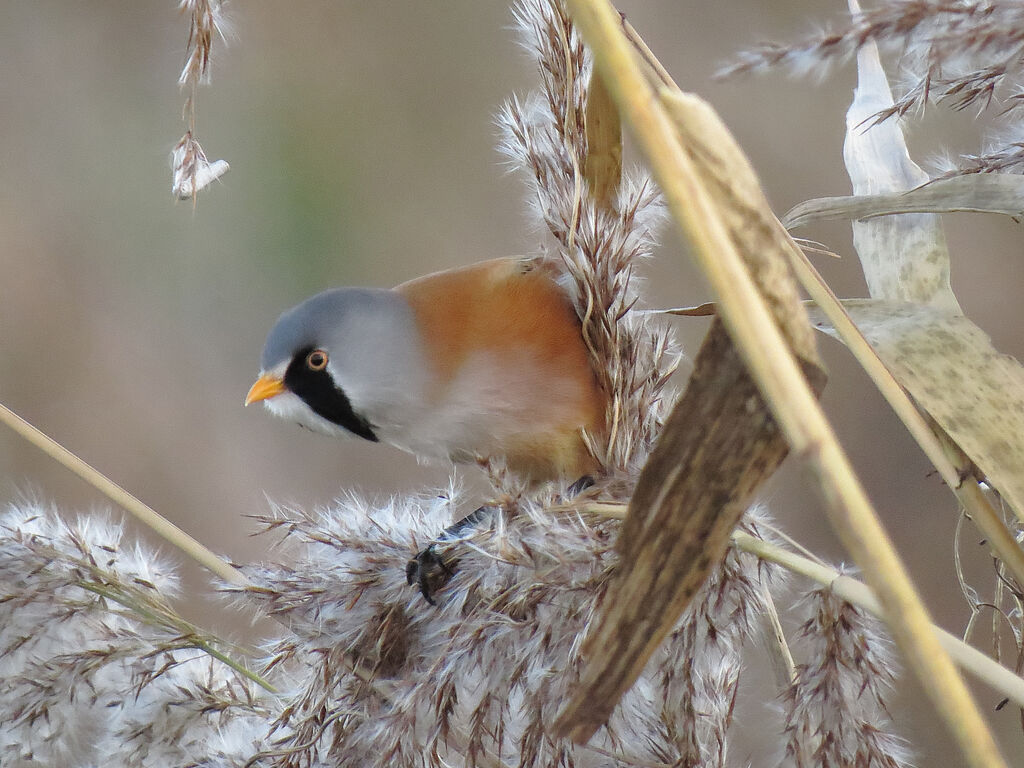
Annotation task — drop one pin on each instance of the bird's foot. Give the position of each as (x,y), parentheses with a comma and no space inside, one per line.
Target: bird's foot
(580,486)
(430,570)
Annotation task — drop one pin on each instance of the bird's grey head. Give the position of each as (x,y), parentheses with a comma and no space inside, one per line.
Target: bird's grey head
(372,360)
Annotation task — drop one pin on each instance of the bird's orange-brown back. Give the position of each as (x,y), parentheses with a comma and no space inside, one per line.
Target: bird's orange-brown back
(508,311)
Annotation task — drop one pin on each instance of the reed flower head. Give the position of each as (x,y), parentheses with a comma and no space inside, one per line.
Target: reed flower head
(966,55)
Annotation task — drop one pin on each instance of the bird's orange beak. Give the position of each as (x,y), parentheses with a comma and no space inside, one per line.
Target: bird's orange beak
(266,386)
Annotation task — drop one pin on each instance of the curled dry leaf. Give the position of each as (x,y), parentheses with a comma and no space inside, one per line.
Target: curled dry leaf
(904,258)
(949,366)
(978,193)
(191,170)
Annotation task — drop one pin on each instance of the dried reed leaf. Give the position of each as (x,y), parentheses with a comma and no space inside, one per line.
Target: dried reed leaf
(949,366)
(718,445)
(757,233)
(603,165)
(904,258)
(836,713)
(707,309)
(977,193)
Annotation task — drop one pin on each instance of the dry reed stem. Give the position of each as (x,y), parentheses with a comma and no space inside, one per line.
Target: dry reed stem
(781,382)
(142,512)
(1001,679)
(779,653)
(969,658)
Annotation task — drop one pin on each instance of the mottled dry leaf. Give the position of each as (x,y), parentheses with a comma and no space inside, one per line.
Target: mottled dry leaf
(977,193)
(904,257)
(949,366)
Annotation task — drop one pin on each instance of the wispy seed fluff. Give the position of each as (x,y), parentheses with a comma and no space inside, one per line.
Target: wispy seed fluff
(835,709)
(90,672)
(700,664)
(380,678)
(965,55)
(191,171)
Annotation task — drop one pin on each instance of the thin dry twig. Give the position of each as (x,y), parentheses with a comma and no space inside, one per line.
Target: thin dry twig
(143,512)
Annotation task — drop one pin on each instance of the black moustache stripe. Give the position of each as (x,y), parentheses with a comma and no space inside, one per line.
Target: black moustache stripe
(318,390)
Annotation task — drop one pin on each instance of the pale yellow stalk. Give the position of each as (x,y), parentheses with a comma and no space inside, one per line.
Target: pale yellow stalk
(967,657)
(780,380)
(143,512)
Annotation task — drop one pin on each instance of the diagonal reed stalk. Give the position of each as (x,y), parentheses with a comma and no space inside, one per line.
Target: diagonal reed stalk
(156,522)
(969,658)
(142,512)
(780,380)
(981,666)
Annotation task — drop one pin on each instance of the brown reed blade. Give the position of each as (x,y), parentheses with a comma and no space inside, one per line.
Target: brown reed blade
(603,165)
(719,444)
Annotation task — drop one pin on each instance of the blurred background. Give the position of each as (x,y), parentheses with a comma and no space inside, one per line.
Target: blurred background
(361,142)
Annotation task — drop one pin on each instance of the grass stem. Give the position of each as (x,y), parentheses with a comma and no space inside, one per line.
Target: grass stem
(142,512)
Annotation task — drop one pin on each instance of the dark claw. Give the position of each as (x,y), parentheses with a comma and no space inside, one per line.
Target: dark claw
(580,485)
(430,571)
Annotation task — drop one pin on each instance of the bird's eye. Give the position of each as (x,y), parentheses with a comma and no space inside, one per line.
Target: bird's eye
(316,360)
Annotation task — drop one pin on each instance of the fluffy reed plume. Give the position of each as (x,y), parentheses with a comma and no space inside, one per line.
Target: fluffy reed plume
(596,248)
(835,708)
(95,666)
(190,168)
(700,666)
(961,55)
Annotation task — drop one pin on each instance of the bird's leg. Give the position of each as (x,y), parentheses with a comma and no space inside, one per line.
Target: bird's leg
(430,569)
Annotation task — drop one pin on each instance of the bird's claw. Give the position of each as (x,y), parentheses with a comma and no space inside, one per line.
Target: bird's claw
(430,570)
(580,486)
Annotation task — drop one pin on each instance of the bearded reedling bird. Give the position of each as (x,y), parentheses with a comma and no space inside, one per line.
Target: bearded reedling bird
(483,362)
